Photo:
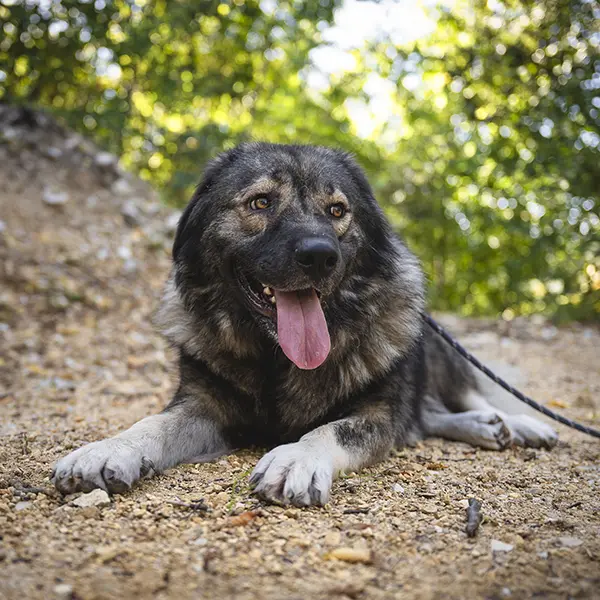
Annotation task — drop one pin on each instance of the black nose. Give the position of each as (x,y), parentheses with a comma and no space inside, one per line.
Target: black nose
(317,257)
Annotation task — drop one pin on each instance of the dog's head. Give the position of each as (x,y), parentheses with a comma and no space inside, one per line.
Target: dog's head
(281,226)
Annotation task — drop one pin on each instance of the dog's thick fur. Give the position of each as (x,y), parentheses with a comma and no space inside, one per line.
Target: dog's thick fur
(386,382)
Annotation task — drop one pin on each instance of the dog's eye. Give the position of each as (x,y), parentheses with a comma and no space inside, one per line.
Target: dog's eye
(259,204)
(337,210)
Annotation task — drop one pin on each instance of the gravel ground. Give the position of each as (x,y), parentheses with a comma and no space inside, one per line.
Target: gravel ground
(79,361)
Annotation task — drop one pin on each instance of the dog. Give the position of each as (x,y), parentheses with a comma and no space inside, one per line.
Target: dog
(296,312)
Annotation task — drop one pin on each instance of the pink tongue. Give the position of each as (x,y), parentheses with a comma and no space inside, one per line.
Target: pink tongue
(302,329)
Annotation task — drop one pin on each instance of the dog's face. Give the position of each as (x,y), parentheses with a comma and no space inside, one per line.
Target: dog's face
(282,226)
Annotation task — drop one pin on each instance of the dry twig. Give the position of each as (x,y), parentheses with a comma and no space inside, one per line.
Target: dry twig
(194,505)
(473,517)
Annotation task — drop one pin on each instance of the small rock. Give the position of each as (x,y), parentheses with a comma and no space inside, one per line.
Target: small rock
(121,187)
(107,553)
(55,197)
(94,498)
(352,555)
(105,159)
(548,333)
(498,546)
(124,252)
(398,488)
(506,592)
(130,265)
(221,497)
(22,505)
(543,555)
(63,591)
(428,509)
(54,152)
(333,538)
(570,542)
(200,541)
(131,213)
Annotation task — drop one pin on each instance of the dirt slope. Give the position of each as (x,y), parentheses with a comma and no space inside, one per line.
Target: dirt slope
(84,252)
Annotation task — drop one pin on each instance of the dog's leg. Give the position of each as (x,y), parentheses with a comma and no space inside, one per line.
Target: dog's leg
(525,430)
(150,446)
(483,428)
(481,424)
(301,473)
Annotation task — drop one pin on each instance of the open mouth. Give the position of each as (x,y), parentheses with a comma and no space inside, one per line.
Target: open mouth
(259,296)
(301,326)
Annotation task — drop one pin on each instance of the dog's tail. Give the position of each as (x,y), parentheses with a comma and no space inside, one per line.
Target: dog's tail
(516,393)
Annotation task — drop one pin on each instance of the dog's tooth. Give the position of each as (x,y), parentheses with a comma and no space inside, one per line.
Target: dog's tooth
(267,290)
(272,299)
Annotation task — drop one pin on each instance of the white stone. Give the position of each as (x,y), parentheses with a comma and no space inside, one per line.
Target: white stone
(121,187)
(94,498)
(55,197)
(498,546)
(570,542)
(104,159)
(63,590)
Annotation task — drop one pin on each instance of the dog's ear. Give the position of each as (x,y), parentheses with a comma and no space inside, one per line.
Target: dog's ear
(192,217)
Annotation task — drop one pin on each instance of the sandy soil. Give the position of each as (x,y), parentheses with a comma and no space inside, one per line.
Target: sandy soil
(79,361)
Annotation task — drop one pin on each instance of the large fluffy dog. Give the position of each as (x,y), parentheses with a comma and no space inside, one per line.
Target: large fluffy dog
(296,312)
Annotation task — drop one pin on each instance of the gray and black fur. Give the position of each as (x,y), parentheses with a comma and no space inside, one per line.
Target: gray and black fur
(386,382)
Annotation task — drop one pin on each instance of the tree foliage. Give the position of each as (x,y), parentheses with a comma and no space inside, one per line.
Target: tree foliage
(489,165)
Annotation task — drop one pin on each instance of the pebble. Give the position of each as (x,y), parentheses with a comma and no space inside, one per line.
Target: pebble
(23,505)
(221,497)
(131,213)
(54,152)
(352,555)
(429,510)
(104,159)
(94,498)
(201,541)
(398,488)
(570,542)
(124,252)
(498,546)
(55,197)
(333,538)
(121,187)
(63,591)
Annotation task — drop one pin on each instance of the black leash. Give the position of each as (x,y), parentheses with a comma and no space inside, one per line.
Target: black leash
(466,354)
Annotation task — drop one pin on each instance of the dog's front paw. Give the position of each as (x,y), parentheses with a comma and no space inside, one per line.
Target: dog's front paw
(113,465)
(293,474)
